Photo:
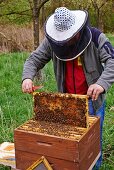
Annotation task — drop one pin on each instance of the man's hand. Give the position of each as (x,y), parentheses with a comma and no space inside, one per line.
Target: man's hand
(94,90)
(27,86)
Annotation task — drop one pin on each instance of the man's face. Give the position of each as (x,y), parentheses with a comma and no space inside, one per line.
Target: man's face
(74,39)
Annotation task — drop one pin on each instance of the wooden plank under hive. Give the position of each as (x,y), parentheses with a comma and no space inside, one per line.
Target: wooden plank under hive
(63,108)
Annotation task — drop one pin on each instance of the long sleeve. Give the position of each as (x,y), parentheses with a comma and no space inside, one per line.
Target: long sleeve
(37,60)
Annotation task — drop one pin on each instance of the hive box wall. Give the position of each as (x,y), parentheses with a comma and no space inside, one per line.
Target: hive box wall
(26,159)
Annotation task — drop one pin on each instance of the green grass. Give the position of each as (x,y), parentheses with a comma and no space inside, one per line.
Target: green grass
(12,113)
(111,38)
(16,107)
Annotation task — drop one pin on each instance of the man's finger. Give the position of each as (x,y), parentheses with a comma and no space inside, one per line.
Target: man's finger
(90,91)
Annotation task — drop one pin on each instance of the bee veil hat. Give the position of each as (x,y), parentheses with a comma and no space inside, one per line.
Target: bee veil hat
(62,26)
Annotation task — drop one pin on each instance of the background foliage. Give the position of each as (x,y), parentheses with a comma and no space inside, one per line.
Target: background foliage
(22,21)
(19,11)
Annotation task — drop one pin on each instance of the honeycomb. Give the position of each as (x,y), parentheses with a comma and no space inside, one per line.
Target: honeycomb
(62,108)
(56,129)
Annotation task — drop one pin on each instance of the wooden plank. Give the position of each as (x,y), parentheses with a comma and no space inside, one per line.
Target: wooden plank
(89,138)
(94,162)
(90,155)
(56,164)
(46,145)
(61,108)
(25,159)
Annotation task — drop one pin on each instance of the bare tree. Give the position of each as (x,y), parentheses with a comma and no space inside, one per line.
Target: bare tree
(36,6)
(98,7)
(1,1)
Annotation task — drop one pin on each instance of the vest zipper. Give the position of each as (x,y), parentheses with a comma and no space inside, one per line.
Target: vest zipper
(74,76)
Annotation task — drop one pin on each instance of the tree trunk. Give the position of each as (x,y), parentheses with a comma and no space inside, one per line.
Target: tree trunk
(36,32)
(43,15)
(37,5)
(36,14)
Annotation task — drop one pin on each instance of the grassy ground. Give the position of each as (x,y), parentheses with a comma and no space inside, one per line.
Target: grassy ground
(16,107)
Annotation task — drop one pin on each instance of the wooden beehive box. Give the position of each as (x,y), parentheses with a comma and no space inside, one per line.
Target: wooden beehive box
(68,141)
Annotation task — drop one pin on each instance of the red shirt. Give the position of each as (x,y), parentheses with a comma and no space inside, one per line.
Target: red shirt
(75,81)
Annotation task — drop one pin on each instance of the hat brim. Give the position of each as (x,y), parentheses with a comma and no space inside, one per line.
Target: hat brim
(61,36)
(67,53)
